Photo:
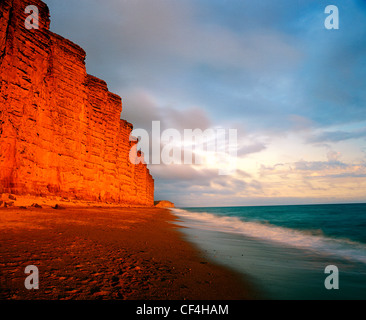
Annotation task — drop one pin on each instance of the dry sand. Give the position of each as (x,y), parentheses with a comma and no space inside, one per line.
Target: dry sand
(107,253)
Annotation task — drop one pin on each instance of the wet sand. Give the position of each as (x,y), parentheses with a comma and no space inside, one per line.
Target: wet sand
(88,253)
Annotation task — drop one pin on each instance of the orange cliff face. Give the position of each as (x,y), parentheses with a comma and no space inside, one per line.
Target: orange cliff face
(60,128)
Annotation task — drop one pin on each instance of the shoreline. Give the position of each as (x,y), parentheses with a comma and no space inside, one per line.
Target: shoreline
(115,253)
(278,269)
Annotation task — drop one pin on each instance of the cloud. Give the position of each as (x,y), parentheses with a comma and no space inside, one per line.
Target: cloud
(266,67)
(333,168)
(179,173)
(206,187)
(335,94)
(337,136)
(274,63)
(140,108)
(318,165)
(190,118)
(252,148)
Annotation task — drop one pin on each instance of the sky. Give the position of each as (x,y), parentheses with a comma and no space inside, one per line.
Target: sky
(294,90)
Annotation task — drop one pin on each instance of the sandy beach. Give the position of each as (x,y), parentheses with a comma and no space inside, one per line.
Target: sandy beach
(87,253)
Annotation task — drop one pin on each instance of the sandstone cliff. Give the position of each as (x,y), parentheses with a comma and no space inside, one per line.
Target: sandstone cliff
(164,204)
(60,128)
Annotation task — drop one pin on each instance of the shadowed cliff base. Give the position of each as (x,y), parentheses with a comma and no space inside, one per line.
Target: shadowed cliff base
(107,253)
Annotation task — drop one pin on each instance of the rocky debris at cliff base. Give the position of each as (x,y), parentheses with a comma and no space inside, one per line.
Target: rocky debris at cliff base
(8,204)
(58,207)
(48,202)
(36,205)
(164,204)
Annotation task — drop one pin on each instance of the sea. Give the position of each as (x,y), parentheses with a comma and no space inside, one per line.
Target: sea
(286,252)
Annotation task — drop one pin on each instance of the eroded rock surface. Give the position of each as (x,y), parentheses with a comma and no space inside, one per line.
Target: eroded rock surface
(60,128)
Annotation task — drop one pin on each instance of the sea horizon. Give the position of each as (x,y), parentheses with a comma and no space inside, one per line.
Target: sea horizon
(272,205)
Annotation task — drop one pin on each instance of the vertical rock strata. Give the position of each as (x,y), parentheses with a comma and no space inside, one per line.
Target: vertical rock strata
(60,128)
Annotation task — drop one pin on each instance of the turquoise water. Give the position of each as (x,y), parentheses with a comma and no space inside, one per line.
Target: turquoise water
(284,250)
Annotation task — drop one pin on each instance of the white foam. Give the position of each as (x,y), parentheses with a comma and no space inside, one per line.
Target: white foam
(285,236)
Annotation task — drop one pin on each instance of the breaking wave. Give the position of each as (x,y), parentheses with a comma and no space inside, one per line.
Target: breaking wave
(307,240)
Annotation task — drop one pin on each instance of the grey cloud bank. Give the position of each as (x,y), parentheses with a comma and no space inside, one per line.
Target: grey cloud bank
(267,68)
